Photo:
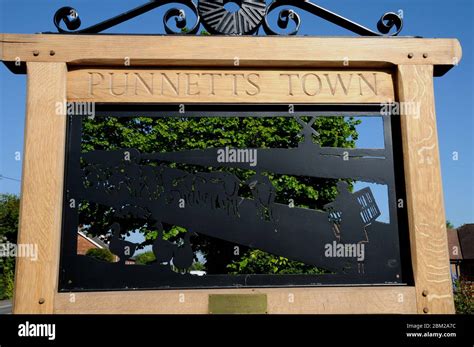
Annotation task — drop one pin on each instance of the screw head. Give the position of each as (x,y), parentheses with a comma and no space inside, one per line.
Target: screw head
(426,310)
(410,55)
(52,52)
(41,301)
(424,293)
(425,55)
(36,53)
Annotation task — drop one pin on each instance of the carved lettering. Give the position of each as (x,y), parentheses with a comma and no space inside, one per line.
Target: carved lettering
(122,84)
(253,80)
(192,86)
(148,86)
(235,82)
(373,87)
(94,81)
(204,84)
(338,80)
(318,84)
(174,85)
(290,81)
(212,83)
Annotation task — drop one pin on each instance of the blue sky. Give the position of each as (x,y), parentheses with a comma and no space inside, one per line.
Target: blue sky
(427,18)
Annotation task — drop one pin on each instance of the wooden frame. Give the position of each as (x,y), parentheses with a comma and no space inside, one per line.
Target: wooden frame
(409,63)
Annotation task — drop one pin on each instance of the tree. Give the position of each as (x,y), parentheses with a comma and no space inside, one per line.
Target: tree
(145,258)
(449,225)
(463,296)
(102,254)
(174,134)
(9,214)
(259,262)
(197,266)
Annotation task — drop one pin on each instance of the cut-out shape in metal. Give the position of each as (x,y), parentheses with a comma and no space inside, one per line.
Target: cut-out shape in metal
(149,188)
(217,20)
(352,213)
(121,248)
(252,15)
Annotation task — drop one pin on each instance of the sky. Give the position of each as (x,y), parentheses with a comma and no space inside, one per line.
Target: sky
(427,18)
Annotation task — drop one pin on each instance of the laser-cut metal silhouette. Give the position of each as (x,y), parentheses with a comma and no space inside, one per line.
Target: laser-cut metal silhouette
(351,213)
(307,134)
(183,256)
(121,248)
(207,192)
(162,249)
(264,195)
(148,187)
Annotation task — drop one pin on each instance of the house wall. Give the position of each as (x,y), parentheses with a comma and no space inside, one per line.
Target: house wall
(83,245)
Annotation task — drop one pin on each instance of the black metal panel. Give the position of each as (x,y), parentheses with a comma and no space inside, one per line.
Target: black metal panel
(252,15)
(145,187)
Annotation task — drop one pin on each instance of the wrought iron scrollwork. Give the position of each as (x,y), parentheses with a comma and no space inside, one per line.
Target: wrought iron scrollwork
(70,17)
(386,23)
(252,15)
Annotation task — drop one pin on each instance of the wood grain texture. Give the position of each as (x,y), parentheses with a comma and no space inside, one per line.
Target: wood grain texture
(42,188)
(225,51)
(236,85)
(336,300)
(426,217)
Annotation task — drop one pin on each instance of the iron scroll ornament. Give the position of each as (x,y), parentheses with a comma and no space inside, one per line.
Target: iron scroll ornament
(252,15)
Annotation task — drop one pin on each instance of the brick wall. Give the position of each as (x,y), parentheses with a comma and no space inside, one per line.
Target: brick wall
(83,245)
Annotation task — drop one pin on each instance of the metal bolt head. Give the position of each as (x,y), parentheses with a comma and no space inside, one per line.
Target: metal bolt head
(410,55)
(426,310)
(41,301)
(424,293)
(52,53)
(425,55)
(36,53)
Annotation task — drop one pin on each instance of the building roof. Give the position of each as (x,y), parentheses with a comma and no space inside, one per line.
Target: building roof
(94,240)
(455,251)
(466,240)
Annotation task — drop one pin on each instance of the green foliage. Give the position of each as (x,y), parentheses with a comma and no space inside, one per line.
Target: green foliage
(145,258)
(259,262)
(9,212)
(102,254)
(449,225)
(464,297)
(9,215)
(171,233)
(197,266)
(175,134)
(7,278)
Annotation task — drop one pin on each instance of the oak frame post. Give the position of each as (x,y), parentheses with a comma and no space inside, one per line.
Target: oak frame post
(425,206)
(42,188)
